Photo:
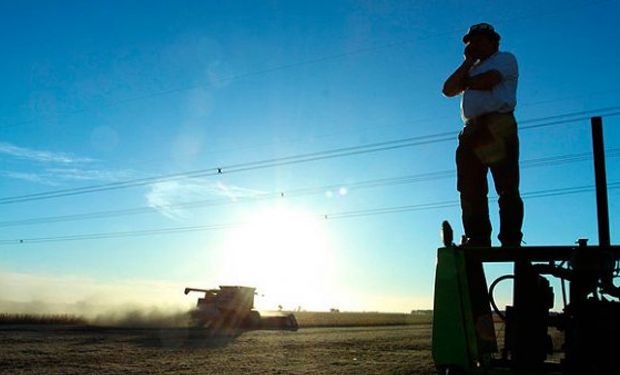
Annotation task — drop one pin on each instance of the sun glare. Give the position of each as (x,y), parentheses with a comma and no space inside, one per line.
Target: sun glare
(283,252)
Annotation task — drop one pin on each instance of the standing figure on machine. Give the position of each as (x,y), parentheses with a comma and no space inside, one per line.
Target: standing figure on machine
(487,80)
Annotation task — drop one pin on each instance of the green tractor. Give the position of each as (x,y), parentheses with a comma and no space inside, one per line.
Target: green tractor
(464,337)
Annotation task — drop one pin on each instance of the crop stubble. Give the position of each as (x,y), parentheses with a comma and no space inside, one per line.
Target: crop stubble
(354,350)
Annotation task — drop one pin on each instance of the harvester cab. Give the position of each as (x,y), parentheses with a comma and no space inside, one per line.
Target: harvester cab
(465,339)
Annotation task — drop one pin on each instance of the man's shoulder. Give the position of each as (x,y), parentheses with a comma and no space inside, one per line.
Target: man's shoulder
(505,56)
(505,62)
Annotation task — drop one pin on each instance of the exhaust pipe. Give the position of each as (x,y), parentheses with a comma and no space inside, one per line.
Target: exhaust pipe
(600,177)
(602,207)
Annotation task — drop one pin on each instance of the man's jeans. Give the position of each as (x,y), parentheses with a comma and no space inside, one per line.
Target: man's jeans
(490,142)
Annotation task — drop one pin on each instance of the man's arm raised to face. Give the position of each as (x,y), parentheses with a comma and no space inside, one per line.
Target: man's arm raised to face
(456,83)
(484,81)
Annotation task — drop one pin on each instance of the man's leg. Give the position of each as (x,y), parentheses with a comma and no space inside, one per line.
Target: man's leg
(506,179)
(472,184)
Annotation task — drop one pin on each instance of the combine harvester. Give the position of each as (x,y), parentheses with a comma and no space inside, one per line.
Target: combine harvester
(464,337)
(231,308)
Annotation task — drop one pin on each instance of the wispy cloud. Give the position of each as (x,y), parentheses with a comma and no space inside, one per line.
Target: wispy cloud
(55,168)
(28,176)
(89,174)
(42,156)
(233,192)
(60,176)
(163,196)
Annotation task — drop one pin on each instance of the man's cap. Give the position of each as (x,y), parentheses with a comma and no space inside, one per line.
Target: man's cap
(481,29)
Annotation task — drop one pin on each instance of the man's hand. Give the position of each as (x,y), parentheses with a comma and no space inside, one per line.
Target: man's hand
(468,55)
(460,80)
(456,83)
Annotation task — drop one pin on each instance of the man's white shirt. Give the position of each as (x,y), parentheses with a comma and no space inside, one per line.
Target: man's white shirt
(502,97)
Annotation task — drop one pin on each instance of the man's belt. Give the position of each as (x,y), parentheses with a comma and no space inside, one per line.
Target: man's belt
(488,117)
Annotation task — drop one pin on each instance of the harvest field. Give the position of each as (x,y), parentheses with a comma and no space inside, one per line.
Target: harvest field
(78,349)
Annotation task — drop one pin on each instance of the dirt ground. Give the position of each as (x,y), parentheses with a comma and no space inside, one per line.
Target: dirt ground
(81,350)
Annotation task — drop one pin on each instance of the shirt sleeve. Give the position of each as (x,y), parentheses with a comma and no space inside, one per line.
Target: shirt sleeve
(506,64)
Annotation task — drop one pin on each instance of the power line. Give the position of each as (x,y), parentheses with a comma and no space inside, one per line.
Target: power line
(136,233)
(242,167)
(426,121)
(338,215)
(294,159)
(455,203)
(340,152)
(399,180)
(571,114)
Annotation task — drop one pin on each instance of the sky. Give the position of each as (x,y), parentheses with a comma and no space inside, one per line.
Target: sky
(322,147)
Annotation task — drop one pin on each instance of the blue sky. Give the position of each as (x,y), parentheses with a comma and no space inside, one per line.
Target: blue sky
(105,92)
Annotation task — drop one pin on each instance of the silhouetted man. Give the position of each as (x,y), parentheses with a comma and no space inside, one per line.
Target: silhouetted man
(487,80)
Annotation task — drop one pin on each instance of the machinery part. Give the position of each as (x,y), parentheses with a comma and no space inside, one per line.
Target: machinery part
(600,177)
(225,308)
(463,335)
(231,308)
(602,207)
(591,329)
(461,339)
(527,340)
(284,322)
(492,299)
(447,234)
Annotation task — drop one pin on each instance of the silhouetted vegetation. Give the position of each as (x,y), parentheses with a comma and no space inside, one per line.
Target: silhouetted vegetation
(358,319)
(63,319)
(305,319)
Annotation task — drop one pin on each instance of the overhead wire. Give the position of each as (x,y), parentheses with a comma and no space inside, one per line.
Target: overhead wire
(332,216)
(299,158)
(455,203)
(390,181)
(599,111)
(241,167)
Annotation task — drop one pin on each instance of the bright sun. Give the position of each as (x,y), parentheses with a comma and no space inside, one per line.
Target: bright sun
(285,253)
